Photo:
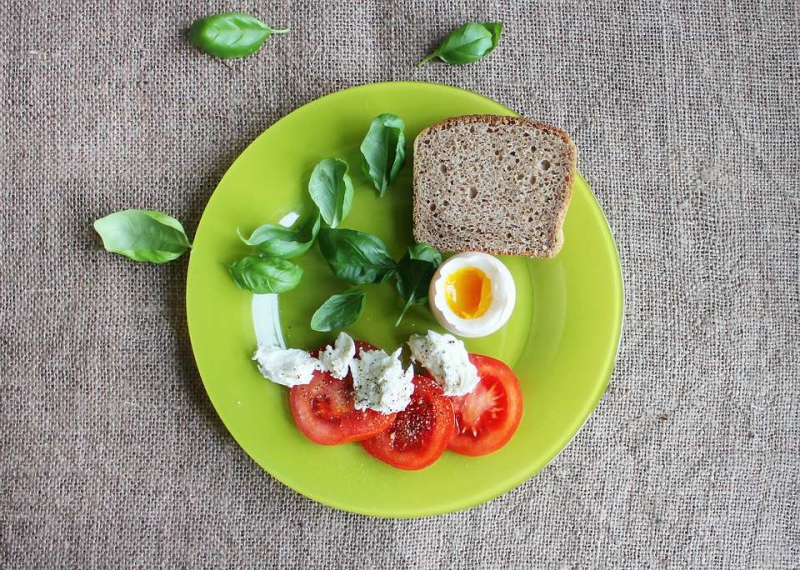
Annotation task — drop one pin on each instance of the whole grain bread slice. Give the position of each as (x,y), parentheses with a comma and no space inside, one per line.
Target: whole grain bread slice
(490,183)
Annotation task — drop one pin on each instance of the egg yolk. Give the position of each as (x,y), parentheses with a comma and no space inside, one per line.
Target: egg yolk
(468,292)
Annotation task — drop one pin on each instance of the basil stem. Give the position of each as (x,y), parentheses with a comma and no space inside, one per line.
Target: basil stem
(357,257)
(143,235)
(332,190)
(266,274)
(414,273)
(384,150)
(469,43)
(339,311)
(230,35)
(278,241)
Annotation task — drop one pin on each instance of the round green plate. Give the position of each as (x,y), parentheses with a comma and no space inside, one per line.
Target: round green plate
(561,340)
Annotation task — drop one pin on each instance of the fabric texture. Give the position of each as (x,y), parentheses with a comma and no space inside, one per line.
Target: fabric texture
(686,116)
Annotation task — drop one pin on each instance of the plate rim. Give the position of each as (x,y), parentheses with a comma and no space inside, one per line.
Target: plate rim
(524,474)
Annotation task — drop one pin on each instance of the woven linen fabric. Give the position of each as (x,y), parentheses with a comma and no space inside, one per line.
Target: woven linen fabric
(686,116)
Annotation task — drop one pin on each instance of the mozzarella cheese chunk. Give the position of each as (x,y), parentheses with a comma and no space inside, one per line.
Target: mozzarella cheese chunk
(336,359)
(288,367)
(380,382)
(446,358)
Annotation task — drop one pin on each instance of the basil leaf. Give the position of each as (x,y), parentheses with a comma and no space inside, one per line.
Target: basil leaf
(384,150)
(414,274)
(332,190)
(266,274)
(424,252)
(143,235)
(339,311)
(357,257)
(496,28)
(230,35)
(469,43)
(278,241)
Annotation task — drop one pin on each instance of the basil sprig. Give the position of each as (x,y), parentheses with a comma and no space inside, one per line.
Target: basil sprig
(357,257)
(384,150)
(278,241)
(339,311)
(469,43)
(143,235)
(414,273)
(265,274)
(332,190)
(230,35)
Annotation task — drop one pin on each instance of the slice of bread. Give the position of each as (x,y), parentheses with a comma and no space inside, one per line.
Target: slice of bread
(495,184)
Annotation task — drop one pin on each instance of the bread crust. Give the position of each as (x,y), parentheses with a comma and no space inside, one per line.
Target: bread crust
(556,237)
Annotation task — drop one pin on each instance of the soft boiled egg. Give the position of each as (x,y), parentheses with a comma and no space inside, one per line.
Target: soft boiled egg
(472,294)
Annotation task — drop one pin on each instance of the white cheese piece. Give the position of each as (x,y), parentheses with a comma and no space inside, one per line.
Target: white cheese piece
(447,360)
(288,367)
(380,382)
(336,359)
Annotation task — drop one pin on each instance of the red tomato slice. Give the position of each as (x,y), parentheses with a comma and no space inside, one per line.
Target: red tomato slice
(324,410)
(487,417)
(420,433)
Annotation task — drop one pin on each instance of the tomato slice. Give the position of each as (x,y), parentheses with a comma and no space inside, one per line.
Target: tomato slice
(420,433)
(324,410)
(487,417)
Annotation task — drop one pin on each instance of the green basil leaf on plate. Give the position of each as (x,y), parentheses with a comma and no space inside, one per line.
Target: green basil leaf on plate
(143,235)
(424,252)
(339,311)
(266,274)
(355,256)
(230,35)
(384,150)
(278,241)
(332,190)
(469,43)
(414,273)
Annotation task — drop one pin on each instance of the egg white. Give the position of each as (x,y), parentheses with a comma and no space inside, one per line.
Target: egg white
(504,295)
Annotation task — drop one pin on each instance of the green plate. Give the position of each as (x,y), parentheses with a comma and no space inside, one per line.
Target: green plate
(561,340)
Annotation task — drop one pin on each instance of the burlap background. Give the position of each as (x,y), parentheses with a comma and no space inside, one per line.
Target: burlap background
(687,118)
